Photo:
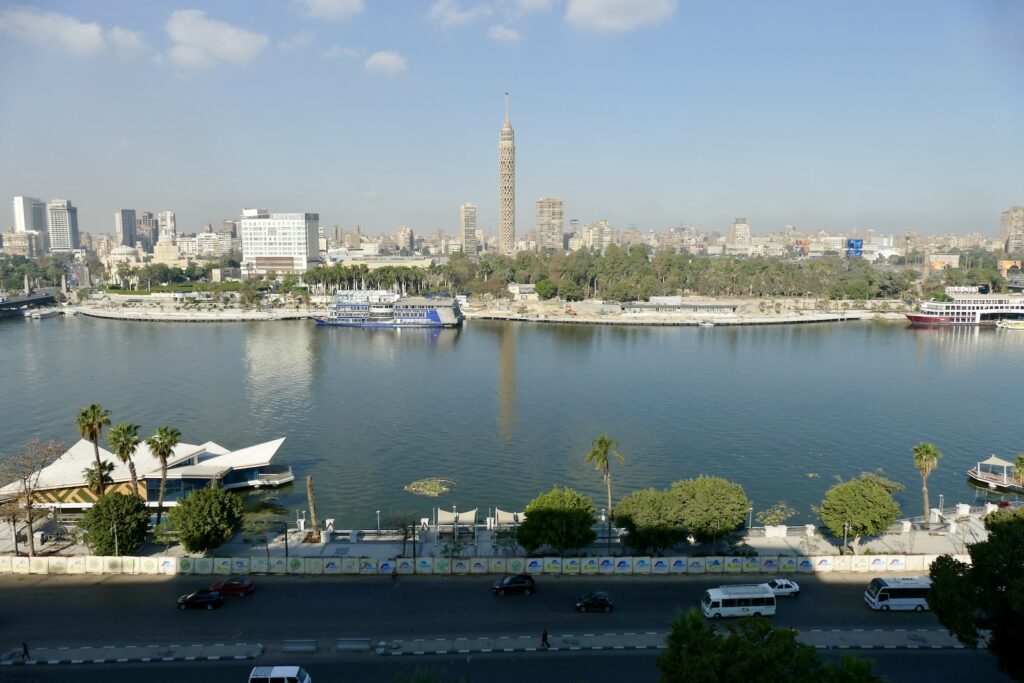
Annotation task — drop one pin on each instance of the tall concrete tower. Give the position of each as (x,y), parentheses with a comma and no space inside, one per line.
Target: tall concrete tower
(506,186)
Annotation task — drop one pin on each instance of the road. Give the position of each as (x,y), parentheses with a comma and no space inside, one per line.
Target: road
(98,610)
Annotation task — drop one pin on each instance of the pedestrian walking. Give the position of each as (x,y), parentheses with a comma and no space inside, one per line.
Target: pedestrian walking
(544,640)
(24,653)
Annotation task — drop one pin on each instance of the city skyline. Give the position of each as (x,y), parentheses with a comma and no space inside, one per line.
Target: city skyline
(671,113)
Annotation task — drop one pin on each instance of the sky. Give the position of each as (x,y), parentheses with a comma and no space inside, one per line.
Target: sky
(823,114)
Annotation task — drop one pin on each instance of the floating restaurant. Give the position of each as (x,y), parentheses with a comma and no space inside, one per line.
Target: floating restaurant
(63,485)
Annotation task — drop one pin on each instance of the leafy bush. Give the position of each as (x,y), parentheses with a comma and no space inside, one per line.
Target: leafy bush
(207,518)
(116,524)
(560,518)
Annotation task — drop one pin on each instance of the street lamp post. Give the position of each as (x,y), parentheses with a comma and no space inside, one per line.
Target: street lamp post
(113,529)
(750,518)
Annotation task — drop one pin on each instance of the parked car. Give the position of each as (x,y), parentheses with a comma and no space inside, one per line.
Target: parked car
(784,587)
(595,602)
(236,585)
(200,599)
(516,583)
(279,674)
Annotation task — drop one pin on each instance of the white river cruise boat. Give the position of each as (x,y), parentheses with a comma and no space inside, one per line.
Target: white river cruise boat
(381,308)
(971,308)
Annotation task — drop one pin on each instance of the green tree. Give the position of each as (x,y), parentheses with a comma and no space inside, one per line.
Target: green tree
(711,506)
(749,650)
(91,421)
(116,524)
(988,592)
(206,518)
(561,518)
(97,476)
(161,445)
(926,459)
(652,519)
(862,507)
(545,288)
(602,450)
(124,439)
(1018,469)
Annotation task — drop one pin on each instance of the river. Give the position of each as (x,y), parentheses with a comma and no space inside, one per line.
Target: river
(509,409)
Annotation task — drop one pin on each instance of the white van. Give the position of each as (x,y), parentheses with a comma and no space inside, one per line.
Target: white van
(905,593)
(738,600)
(279,674)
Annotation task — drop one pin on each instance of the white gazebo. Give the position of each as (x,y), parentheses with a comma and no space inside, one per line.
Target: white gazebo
(995,473)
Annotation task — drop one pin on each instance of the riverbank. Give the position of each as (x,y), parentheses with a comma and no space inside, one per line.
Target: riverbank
(697,312)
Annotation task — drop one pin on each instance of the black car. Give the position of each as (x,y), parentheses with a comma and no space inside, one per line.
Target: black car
(200,599)
(517,583)
(595,602)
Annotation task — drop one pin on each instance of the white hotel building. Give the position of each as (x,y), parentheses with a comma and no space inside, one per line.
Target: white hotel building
(279,242)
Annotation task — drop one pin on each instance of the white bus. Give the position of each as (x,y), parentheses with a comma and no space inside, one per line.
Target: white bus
(738,601)
(904,593)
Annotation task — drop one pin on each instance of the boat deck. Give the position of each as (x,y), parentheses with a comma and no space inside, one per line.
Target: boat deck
(994,480)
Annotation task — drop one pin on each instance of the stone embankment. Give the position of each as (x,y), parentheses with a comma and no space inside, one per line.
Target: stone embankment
(161,314)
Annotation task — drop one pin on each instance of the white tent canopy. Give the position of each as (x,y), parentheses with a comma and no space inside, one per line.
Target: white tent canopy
(996,462)
(501,517)
(467,517)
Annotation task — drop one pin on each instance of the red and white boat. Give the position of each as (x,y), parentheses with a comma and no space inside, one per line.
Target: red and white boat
(973,308)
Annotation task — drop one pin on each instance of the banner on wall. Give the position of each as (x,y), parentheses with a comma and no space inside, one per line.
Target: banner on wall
(204,566)
(804,564)
(404,565)
(624,565)
(332,565)
(516,565)
(478,566)
(823,563)
(460,566)
(277,565)
(606,565)
(787,564)
(425,565)
(259,565)
(678,565)
(571,565)
(641,565)
(222,565)
(350,565)
(534,565)
(589,565)
(240,565)
(552,565)
(496,565)
(314,565)
(734,565)
(714,565)
(696,565)
(442,565)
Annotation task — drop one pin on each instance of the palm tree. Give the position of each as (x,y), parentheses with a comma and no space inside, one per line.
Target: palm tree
(90,423)
(926,459)
(124,439)
(162,446)
(600,449)
(98,476)
(1018,470)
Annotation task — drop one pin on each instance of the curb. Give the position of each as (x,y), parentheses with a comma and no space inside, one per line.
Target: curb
(258,651)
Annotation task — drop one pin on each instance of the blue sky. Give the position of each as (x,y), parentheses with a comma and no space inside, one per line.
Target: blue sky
(826,114)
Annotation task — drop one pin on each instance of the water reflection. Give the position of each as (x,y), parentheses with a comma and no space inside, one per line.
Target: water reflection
(507,380)
(278,368)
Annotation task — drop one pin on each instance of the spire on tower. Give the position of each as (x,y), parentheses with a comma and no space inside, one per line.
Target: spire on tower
(506,107)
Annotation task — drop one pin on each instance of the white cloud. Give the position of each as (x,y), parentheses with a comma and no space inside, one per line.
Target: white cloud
(532,5)
(335,51)
(126,41)
(385,63)
(200,42)
(617,15)
(52,29)
(450,12)
(335,10)
(503,33)
(296,42)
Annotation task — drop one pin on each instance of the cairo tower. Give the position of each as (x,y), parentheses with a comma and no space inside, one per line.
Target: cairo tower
(507,187)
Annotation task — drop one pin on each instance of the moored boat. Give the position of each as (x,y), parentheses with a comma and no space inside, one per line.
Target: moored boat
(380,308)
(1011,324)
(970,308)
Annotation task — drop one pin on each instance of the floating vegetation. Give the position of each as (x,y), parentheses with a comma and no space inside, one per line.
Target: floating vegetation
(431,486)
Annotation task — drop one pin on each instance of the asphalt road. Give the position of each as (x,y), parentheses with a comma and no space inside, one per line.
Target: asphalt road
(55,611)
(125,610)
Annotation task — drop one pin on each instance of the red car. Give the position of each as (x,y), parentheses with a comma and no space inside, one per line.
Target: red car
(236,585)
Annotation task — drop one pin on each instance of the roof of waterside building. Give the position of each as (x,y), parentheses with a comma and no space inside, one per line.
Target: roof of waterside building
(203,460)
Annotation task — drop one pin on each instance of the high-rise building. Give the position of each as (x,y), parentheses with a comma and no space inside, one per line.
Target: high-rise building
(168,225)
(598,236)
(406,239)
(147,230)
(550,224)
(1012,230)
(29,214)
(125,227)
(467,228)
(506,186)
(62,225)
(739,234)
(279,242)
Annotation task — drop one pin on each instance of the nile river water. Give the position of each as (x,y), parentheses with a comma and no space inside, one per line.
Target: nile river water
(509,409)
